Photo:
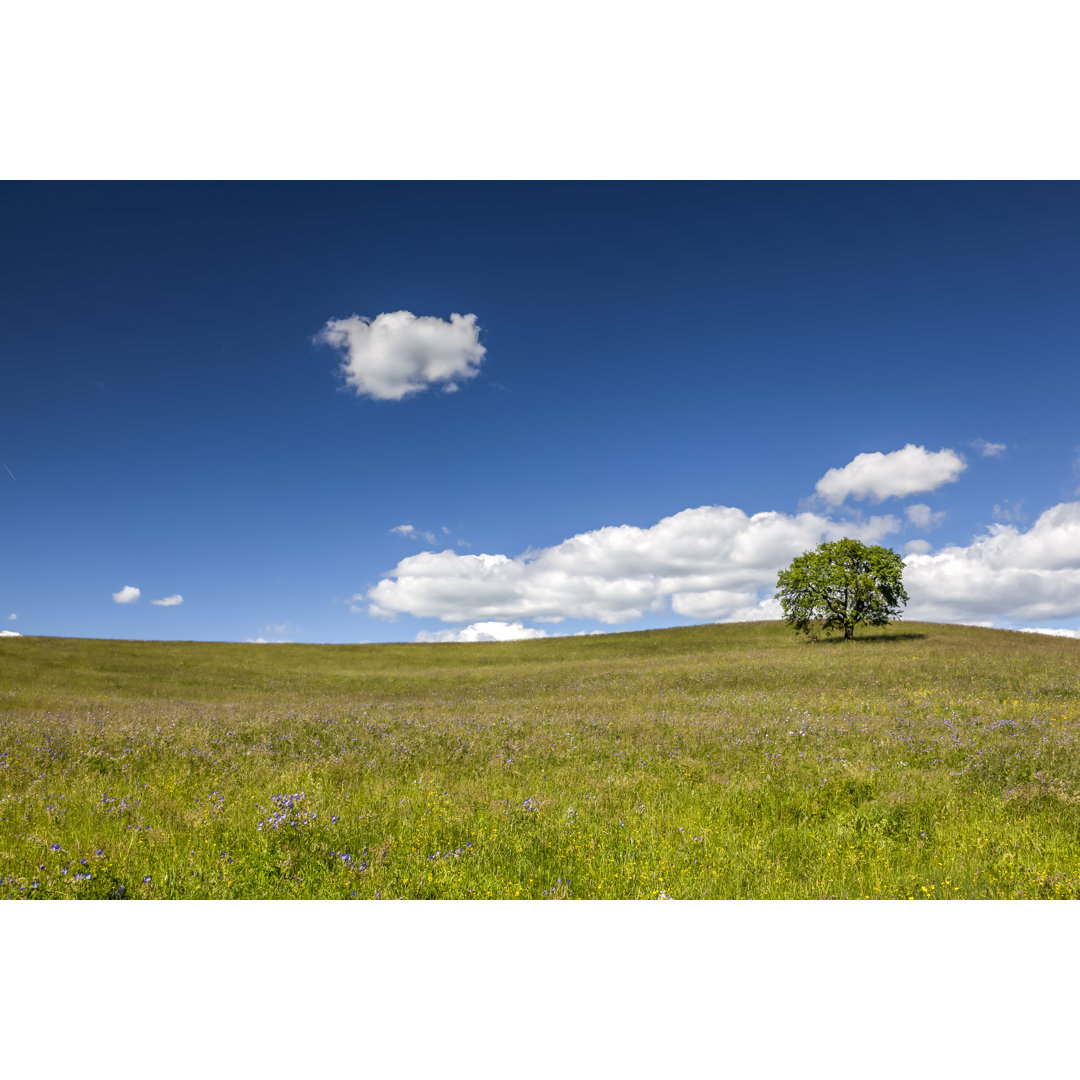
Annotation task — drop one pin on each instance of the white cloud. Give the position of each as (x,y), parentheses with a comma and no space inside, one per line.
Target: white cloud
(264,641)
(398,353)
(10,633)
(413,534)
(917,547)
(879,476)
(1005,575)
(922,517)
(169,601)
(12,617)
(711,562)
(484,631)
(989,449)
(1048,630)
(1010,511)
(127,595)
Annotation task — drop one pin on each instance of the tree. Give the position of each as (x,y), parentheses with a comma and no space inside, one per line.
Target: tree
(842,584)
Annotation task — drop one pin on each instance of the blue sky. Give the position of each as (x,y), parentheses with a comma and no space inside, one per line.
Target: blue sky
(630,432)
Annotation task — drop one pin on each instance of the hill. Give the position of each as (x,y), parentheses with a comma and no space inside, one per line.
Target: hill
(713,761)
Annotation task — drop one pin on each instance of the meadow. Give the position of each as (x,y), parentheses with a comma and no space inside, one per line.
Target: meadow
(730,761)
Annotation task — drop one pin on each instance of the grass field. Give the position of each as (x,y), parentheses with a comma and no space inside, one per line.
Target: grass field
(731,761)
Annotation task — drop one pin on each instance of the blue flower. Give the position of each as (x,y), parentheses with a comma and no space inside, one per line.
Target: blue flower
(146,880)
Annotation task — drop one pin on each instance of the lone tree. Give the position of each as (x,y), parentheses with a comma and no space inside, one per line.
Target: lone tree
(842,584)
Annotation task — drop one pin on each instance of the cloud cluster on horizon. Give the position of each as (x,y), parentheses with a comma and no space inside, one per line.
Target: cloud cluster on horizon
(720,564)
(1030,575)
(709,562)
(398,353)
(492,630)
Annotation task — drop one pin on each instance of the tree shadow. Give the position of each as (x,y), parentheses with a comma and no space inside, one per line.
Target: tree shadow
(877,639)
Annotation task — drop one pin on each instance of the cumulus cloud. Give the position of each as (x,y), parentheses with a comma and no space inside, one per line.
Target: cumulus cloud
(922,517)
(711,562)
(484,631)
(127,595)
(989,449)
(917,547)
(879,476)
(1050,631)
(10,633)
(169,601)
(404,530)
(398,353)
(1002,575)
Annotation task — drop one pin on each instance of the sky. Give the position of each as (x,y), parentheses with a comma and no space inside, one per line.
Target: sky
(401,411)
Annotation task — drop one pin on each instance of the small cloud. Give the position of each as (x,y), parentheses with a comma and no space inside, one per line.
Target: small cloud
(922,517)
(398,353)
(10,633)
(879,476)
(127,595)
(989,449)
(916,547)
(169,601)
(1048,630)
(265,641)
(12,617)
(1011,512)
(415,534)
(484,631)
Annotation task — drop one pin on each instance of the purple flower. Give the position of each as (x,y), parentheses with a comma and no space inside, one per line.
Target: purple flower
(146,880)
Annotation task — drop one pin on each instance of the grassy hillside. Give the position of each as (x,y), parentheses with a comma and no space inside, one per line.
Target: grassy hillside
(721,761)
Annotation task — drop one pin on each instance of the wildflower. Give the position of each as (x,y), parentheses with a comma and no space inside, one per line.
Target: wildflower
(146,880)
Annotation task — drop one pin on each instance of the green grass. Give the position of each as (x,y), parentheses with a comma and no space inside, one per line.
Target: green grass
(729,761)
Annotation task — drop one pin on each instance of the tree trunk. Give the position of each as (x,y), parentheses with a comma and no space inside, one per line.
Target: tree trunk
(849,633)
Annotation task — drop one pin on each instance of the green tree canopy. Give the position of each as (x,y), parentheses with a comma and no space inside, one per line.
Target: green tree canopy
(841,584)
